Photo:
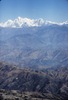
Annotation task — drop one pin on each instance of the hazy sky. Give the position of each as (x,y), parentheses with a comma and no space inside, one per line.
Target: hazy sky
(53,10)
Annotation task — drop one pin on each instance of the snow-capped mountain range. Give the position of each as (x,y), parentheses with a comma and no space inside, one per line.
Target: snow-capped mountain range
(41,45)
(21,22)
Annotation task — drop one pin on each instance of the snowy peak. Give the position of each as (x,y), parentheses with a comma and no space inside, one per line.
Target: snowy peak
(22,22)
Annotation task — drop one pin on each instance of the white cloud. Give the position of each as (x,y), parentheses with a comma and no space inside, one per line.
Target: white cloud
(21,22)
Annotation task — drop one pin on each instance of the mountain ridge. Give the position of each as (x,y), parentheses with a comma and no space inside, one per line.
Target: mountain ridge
(27,22)
(51,83)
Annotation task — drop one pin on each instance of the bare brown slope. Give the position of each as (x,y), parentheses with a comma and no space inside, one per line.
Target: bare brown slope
(51,81)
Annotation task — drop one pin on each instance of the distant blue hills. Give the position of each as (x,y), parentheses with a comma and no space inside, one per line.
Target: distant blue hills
(35,47)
